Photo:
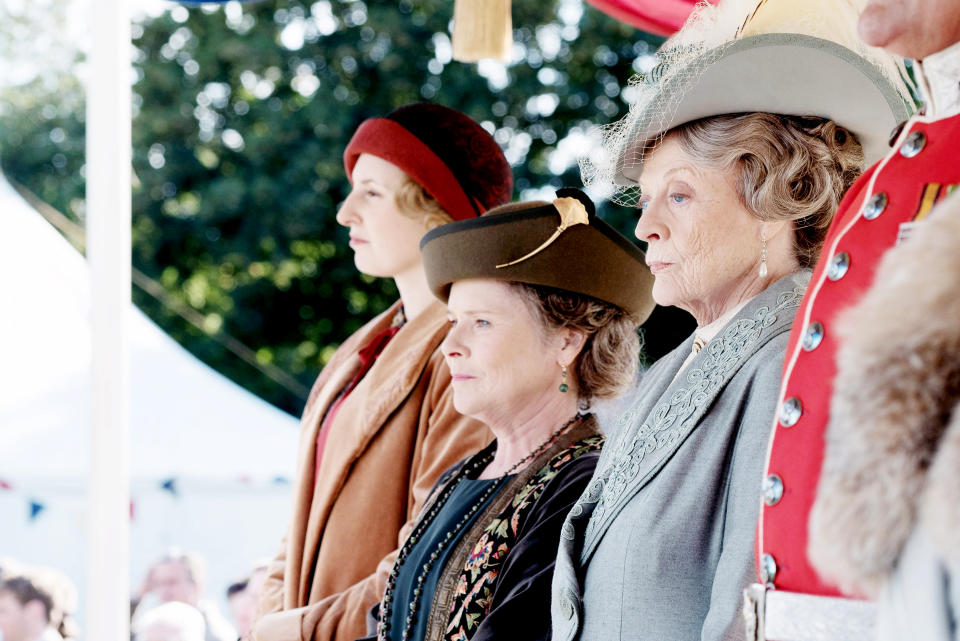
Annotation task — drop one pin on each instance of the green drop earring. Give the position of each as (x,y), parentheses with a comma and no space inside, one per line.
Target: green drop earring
(563,379)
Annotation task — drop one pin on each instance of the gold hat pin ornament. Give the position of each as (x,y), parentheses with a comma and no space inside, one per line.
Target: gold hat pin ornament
(572,212)
(582,254)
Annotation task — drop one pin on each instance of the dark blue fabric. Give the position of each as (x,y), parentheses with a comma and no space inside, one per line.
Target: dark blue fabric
(465,495)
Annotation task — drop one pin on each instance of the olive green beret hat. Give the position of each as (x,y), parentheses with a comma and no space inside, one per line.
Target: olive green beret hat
(562,244)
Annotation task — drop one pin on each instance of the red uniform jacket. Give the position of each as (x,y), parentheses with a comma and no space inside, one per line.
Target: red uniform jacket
(922,168)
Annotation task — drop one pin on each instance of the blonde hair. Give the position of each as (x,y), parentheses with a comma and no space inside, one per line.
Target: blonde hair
(414,202)
(610,356)
(787,167)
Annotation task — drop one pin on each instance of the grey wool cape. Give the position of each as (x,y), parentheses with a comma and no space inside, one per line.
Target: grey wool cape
(661,543)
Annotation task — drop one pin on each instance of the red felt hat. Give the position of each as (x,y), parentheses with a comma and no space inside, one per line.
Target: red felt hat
(446,152)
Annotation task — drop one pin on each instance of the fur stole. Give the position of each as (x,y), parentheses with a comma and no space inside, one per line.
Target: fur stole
(892,457)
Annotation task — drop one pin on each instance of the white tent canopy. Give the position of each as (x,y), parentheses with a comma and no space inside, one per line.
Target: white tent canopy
(226,449)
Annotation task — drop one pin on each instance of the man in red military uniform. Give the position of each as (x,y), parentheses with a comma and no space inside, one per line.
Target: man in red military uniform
(879,211)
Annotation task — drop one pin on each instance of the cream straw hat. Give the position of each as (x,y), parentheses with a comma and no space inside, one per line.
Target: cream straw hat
(789,57)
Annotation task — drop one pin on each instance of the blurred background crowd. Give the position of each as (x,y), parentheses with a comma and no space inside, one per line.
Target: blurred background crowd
(172,603)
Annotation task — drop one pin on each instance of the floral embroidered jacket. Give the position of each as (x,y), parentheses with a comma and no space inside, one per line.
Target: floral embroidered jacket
(496,583)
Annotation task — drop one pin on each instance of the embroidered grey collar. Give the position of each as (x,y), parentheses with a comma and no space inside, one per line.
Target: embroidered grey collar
(939,80)
(658,423)
(705,334)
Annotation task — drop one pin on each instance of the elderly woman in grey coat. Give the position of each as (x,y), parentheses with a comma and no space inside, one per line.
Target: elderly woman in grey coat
(736,191)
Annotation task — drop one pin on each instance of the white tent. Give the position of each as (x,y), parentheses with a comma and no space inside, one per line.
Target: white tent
(209,461)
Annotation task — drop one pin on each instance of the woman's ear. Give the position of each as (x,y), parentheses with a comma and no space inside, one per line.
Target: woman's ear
(571,343)
(770,229)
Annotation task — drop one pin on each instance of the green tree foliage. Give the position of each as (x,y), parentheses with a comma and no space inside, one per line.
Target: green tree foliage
(241,116)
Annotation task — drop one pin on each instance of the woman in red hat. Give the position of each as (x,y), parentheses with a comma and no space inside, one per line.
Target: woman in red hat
(380,427)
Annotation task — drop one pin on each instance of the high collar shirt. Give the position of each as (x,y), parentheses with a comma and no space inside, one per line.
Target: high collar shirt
(705,334)
(938,76)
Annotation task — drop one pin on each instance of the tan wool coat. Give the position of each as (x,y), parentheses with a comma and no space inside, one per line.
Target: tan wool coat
(393,436)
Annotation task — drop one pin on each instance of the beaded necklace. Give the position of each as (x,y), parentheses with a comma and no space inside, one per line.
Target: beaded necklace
(383,627)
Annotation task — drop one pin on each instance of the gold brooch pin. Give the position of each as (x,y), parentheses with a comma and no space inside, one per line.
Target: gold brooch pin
(572,212)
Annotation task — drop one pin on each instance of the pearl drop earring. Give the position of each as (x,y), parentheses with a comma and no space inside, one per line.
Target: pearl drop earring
(763,255)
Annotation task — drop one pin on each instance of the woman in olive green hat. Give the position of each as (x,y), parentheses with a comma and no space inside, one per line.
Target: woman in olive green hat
(544,300)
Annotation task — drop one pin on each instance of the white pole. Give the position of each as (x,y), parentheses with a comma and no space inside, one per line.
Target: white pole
(108,251)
